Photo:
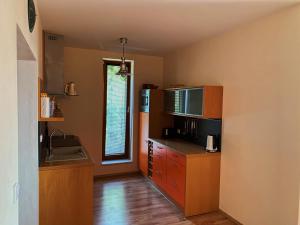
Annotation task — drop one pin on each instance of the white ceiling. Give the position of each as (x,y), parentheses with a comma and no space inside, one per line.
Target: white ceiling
(152,26)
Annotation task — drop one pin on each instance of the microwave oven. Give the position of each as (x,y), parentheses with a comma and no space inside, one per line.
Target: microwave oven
(145,100)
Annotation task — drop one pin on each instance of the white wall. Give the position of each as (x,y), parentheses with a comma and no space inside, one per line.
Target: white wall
(12,12)
(28,143)
(259,66)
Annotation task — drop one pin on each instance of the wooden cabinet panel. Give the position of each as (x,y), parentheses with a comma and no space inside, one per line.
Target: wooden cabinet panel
(150,126)
(178,158)
(175,179)
(202,186)
(213,102)
(143,163)
(143,142)
(159,166)
(66,196)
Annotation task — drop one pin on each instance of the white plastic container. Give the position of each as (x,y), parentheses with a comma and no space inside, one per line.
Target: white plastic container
(45,105)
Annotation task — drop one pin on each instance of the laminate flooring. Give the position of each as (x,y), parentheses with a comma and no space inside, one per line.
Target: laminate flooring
(133,200)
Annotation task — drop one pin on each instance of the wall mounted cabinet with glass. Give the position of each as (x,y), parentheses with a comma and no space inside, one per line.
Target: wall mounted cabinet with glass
(200,102)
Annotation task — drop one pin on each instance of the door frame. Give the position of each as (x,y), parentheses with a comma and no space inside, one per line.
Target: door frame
(126,154)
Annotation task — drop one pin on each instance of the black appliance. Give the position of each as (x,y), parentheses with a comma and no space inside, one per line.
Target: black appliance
(169,133)
(42,141)
(145,100)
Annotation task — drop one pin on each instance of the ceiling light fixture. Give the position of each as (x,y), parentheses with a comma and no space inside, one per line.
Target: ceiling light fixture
(123,67)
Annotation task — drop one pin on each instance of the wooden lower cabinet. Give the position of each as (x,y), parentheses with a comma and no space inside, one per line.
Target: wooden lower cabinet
(202,183)
(191,181)
(143,142)
(175,181)
(66,196)
(159,166)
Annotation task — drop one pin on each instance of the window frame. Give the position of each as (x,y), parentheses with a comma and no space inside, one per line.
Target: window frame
(126,154)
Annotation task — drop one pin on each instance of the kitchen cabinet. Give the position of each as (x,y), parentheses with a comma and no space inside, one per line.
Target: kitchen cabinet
(66,193)
(175,177)
(143,144)
(194,104)
(175,101)
(159,166)
(201,102)
(191,178)
(151,124)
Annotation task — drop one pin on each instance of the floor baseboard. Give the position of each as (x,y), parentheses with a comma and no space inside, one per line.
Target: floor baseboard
(230,217)
(116,175)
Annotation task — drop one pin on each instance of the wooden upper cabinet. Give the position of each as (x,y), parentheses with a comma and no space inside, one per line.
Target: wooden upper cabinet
(213,102)
(201,102)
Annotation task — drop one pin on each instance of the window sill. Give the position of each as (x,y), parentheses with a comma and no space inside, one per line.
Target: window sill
(117,161)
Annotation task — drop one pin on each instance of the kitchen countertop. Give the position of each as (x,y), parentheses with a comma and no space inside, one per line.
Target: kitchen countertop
(183,147)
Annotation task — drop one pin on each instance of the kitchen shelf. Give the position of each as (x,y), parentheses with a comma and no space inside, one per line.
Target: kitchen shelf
(52,119)
(42,119)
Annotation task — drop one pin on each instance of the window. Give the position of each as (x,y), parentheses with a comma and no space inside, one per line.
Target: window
(116,122)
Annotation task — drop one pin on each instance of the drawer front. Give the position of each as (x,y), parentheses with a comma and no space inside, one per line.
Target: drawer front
(175,181)
(159,169)
(178,158)
(157,175)
(158,149)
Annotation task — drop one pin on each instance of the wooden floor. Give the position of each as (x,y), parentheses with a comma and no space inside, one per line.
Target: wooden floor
(132,200)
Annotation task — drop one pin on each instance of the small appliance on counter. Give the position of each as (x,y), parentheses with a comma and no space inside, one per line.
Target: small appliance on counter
(145,95)
(145,100)
(196,130)
(169,132)
(211,143)
(70,89)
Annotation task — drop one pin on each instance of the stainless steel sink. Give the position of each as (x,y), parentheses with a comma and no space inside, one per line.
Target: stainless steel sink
(67,154)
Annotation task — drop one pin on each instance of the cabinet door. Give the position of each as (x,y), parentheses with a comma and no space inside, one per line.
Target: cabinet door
(175,101)
(66,196)
(180,100)
(203,101)
(194,102)
(159,166)
(143,142)
(175,181)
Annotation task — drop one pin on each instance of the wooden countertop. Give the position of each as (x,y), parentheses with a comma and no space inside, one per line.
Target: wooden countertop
(183,147)
(66,164)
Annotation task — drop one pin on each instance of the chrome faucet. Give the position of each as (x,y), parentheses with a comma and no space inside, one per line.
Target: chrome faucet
(51,135)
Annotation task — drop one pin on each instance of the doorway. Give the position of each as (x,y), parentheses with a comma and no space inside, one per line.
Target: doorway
(27,93)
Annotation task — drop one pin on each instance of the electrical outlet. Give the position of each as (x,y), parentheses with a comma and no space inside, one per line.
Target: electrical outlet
(16,192)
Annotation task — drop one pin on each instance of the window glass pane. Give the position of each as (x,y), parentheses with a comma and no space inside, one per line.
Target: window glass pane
(116,107)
